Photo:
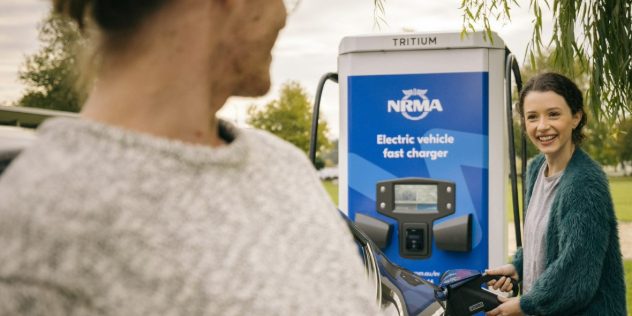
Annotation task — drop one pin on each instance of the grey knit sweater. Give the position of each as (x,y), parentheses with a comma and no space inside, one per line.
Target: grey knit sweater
(97,220)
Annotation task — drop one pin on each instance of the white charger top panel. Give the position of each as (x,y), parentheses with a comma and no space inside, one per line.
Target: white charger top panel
(417,41)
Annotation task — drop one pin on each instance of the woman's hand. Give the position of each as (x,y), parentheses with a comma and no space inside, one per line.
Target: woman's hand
(508,272)
(509,307)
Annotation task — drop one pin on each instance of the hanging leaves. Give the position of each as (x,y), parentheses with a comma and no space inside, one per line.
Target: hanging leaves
(598,32)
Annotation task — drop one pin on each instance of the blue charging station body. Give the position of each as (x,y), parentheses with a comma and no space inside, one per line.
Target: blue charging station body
(428,107)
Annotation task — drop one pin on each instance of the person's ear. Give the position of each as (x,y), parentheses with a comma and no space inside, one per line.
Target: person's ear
(577,117)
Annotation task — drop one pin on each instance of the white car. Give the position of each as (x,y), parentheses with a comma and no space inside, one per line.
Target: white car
(17,129)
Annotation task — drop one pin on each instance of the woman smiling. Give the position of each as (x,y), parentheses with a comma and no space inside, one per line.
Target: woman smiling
(571,262)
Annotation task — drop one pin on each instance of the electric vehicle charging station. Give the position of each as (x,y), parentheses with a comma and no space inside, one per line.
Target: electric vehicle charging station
(422,148)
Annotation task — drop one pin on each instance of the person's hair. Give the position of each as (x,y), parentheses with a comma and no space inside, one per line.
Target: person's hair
(108,25)
(111,16)
(565,88)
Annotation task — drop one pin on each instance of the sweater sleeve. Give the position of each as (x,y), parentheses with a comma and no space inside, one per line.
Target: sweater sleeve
(570,279)
(517,262)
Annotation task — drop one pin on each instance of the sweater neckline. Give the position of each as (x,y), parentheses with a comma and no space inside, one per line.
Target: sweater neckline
(578,155)
(549,179)
(81,131)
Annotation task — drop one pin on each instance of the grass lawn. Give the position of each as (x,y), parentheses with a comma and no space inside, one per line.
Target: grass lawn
(621,188)
(332,189)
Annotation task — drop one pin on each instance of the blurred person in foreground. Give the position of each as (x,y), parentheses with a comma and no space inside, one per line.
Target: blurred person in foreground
(571,261)
(150,205)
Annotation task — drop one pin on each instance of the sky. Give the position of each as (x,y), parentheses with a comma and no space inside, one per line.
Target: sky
(306,48)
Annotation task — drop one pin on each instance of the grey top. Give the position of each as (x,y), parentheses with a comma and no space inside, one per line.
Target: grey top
(535,225)
(97,220)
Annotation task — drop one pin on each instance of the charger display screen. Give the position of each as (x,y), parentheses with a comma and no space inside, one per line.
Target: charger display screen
(415,197)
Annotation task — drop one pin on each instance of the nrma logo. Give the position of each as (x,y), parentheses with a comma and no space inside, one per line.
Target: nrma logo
(417,108)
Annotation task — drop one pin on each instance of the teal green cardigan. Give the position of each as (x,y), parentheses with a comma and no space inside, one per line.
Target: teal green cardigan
(584,270)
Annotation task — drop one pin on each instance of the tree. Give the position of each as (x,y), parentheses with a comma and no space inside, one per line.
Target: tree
(605,42)
(624,141)
(290,118)
(600,143)
(331,155)
(51,74)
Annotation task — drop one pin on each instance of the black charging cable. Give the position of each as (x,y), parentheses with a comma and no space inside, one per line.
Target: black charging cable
(512,66)
(314,132)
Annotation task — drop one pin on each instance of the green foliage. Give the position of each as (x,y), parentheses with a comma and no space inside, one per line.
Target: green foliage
(319,163)
(600,144)
(332,153)
(532,151)
(290,118)
(604,46)
(607,34)
(379,13)
(51,74)
(624,141)
(475,11)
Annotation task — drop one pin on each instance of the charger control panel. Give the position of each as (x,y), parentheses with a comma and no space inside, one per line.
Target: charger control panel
(415,203)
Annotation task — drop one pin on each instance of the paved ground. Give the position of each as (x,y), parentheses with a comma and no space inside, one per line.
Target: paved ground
(625,237)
